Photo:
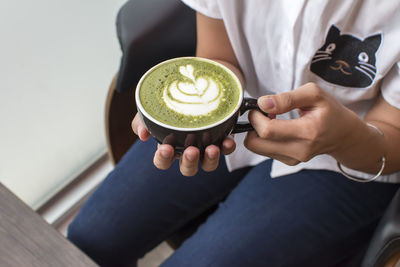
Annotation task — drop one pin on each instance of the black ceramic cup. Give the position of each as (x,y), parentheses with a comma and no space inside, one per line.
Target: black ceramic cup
(200,137)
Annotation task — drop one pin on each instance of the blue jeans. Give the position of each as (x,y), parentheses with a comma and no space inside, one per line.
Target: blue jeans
(310,218)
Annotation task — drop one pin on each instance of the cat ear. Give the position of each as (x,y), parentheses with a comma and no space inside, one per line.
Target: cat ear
(373,41)
(333,34)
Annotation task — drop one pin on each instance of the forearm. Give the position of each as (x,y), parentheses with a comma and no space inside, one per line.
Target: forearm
(362,150)
(233,68)
(213,43)
(391,146)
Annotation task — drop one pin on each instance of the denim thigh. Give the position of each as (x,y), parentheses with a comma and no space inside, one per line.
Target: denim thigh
(138,206)
(310,218)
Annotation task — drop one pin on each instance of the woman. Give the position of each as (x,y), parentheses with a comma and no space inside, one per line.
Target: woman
(329,73)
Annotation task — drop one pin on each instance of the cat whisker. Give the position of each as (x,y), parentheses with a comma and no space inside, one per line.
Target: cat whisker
(367,64)
(321,58)
(364,72)
(317,56)
(366,68)
(323,52)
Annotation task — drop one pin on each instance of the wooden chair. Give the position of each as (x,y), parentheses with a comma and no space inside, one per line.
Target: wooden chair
(119,112)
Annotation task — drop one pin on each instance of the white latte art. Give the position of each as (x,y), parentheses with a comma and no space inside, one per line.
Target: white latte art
(198,97)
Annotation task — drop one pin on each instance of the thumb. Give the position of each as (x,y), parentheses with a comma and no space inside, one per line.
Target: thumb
(303,97)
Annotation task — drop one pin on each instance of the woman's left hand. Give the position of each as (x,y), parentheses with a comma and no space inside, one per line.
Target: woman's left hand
(324,126)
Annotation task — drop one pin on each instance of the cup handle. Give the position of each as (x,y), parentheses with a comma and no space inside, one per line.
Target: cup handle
(247,104)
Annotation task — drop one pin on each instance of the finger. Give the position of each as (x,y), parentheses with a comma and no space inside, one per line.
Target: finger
(228,146)
(275,129)
(287,160)
(305,96)
(135,123)
(211,158)
(189,162)
(139,128)
(288,152)
(144,134)
(252,144)
(164,157)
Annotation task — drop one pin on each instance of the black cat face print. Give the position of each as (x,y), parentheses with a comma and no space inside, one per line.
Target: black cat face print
(346,60)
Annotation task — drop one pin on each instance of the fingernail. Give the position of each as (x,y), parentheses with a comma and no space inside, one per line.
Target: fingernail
(212,155)
(266,102)
(140,129)
(164,153)
(190,157)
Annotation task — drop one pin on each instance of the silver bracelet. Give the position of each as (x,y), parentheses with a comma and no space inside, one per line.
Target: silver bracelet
(361,180)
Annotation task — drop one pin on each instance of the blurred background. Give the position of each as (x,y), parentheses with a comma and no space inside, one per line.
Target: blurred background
(57,59)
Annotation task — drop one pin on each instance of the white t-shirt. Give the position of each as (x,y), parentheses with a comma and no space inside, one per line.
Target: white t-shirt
(349,48)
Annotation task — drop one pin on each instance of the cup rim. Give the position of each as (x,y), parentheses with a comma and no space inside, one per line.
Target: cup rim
(148,116)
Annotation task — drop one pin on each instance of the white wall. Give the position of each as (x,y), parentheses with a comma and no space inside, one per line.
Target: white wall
(57,59)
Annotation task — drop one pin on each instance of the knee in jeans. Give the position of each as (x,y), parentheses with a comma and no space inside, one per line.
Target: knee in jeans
(82,236)
(99,245)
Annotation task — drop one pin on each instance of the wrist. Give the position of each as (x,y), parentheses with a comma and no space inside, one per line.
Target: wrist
(354,133)
(363,149)
(234,68)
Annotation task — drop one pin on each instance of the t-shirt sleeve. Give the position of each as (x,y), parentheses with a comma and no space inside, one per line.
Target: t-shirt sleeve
(391,86)
(208,8)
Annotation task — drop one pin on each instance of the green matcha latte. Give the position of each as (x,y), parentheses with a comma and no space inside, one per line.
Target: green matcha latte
(189,92)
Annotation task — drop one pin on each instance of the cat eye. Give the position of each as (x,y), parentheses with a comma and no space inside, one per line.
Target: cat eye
(330,47)
(363,57)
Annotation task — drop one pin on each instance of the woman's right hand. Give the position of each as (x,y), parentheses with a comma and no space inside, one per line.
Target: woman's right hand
(189,161)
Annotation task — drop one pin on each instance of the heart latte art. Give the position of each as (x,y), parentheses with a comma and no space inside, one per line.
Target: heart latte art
(198,97)
(189,92)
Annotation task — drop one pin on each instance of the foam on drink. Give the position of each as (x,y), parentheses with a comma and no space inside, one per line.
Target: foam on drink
(198,97)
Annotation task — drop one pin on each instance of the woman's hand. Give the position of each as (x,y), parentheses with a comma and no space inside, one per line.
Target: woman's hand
(325,126)
(189,161)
